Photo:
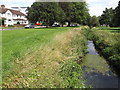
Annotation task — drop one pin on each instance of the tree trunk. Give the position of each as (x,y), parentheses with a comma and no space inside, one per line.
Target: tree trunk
(69,24)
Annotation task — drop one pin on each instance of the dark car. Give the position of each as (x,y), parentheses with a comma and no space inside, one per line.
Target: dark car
(29,26)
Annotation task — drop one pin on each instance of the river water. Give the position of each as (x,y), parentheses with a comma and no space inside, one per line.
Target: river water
(97,72)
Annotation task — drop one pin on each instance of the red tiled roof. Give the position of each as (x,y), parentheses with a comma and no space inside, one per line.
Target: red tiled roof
(3,10)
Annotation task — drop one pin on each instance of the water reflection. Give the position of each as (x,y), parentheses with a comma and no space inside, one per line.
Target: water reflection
(96,70)
(98,80)
(91,48)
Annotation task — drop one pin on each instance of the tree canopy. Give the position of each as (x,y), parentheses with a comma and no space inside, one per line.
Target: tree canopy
(75,12)
(107,17)
(116,18)
(61,12)
(93,22)
(111,16)
(45,11)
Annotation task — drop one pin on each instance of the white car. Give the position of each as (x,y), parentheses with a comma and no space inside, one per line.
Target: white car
(29,26)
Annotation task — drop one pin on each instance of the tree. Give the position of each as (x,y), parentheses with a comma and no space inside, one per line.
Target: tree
(93,22)
(2,21)
(49,12)
(116,18)
(75,12)
(107,17)
(61,12)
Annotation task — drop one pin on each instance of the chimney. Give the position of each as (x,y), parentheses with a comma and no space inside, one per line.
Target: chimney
(2,6)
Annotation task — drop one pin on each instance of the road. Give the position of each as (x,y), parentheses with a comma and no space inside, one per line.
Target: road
(11,29)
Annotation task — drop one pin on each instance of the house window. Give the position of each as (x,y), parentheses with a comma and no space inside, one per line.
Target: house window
(14,15)
(9,19)
(8,15)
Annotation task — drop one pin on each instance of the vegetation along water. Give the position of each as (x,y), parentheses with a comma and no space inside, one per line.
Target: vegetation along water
(107,44)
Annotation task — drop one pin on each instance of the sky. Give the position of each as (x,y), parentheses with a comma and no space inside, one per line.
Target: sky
(96,7)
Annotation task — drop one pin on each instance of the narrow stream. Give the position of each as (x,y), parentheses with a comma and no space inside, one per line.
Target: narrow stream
(97,71)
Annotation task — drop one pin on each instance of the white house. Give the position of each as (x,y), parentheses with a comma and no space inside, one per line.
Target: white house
(12,16)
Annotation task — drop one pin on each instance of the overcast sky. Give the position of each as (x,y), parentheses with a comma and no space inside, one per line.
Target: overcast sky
(96,7)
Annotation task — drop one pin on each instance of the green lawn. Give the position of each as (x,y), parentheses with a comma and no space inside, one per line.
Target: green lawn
(42,57)
(110,29)
(18,43)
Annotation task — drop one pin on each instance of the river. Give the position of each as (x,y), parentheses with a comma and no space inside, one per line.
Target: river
(97,72)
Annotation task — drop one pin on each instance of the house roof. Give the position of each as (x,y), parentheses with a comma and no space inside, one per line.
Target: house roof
(4,10)
(20,19)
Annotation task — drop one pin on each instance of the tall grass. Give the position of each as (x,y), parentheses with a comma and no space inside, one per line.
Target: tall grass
(57,51)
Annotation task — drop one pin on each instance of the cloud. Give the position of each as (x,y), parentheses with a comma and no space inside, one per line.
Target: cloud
(96,7)
(92,1)
(16,3)
(113,3)
(18,0)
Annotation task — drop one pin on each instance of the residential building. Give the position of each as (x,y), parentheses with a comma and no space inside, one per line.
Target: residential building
(11,16)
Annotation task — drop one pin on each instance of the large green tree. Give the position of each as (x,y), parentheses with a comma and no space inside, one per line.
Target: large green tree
(93,22)
(107,17)
(116,18)
(49,12)
(75,12)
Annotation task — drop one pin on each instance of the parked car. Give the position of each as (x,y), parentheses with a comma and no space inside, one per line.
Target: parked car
(55,25)
(29,26)
(74,24)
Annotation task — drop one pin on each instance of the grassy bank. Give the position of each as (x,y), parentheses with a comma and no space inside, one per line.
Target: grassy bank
(43,58)
(108,45)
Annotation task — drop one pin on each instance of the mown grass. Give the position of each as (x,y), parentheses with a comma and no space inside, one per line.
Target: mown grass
(42,58)
(110,29)
(108,45)
(19,43)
